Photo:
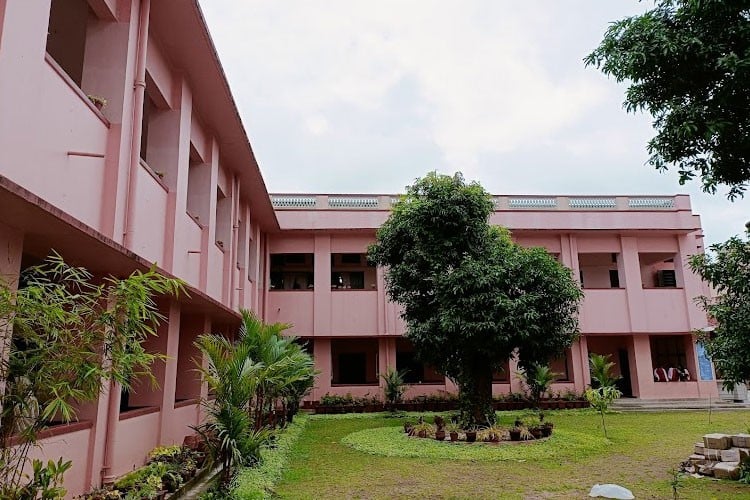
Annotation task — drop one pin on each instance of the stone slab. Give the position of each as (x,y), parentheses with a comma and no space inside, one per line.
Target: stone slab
(717,441)
(699,448)
(741,440)
(727,470)
(730,455)
(697,459)
(712,454)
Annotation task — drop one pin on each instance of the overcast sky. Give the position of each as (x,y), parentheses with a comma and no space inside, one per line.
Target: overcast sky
(357,96)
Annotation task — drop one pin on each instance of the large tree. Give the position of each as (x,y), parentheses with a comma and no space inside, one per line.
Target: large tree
(471,297)
(688,64)
(727,270)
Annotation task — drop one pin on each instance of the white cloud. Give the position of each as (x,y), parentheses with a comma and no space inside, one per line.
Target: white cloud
(354,95)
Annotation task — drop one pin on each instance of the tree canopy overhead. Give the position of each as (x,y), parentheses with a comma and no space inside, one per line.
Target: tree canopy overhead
(471,297)
(688,64)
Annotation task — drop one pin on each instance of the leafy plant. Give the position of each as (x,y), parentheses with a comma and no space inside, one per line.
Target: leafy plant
(600,399)
(538,379)
(676,481)
(394,386)
(71,334)
(601,370)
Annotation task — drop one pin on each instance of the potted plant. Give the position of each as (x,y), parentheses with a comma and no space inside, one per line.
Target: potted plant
(471,435)
(439,428)
(98,102)
(408,428)
(394,387)
(452,429)
(423,429)
(547,429)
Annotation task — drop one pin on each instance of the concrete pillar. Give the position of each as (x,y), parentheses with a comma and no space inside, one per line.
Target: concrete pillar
(690,282)
(580,364)
(634,289)
(323,364)
(169,382)
(641,368)
(322,292)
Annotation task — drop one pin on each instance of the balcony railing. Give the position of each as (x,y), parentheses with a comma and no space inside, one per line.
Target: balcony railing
(501,203)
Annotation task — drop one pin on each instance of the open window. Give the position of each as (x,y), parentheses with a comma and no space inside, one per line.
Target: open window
(414,370)
(351,271)
(355,361)
(292,271)
(561,365)
(599,270)
(223,236)
(66,35)
(658,270)
(199,188)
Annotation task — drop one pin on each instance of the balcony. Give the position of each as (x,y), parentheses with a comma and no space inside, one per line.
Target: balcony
(605,311)
(666,310)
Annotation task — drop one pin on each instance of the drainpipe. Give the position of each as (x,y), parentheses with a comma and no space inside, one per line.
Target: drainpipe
(139,91)
(235,242)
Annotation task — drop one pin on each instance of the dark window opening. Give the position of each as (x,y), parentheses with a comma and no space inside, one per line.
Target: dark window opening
(292,271)
(614,278)
(66,35)
(351,271)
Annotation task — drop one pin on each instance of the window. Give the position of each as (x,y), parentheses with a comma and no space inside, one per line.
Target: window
(355,361)
(599,270)
(668,352)
(66,35)
(414,370)
(658,270)
(223,220)
(198,189)
(292,271)
(350,271)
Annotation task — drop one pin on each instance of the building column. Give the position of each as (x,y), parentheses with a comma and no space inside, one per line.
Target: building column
(633,286)
(169,382)
(324,364)
(641,368)
(322,290)
(580,364)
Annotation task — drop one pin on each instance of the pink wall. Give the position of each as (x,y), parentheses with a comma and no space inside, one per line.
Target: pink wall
(73,446)
(666,310)
(150,216)
(605,311)
(293,306)
(354,312)
(135,438)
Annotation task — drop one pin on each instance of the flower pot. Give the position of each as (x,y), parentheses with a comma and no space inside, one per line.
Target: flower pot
(422,434)
(440,435)
(536,432)
(515,435)
(454,436)
(547,430)
(471,436)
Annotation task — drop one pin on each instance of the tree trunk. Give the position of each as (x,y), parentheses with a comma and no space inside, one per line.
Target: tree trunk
(476,397)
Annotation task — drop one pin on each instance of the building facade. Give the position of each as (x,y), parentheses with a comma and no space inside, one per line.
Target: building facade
(164,173)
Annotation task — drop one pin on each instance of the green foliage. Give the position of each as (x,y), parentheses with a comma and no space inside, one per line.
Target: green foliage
(393,442)
(676,482)
(688,63)
(471,297)
(727,269)
(71,333)
(394,386)
(538,379)
(248,378)
(600,399)
(258,482)
(601,370)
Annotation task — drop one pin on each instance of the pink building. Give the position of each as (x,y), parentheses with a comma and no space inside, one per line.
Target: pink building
(164,173)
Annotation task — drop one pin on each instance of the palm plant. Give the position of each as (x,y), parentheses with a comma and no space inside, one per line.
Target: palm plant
(233,378)
(394,386)
(601,370)
(539,378)
(282,363)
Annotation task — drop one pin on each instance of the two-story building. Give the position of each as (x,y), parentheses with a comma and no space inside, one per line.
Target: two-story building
(164,173)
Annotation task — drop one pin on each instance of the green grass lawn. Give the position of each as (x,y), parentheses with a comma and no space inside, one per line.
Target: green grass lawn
(642,448)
